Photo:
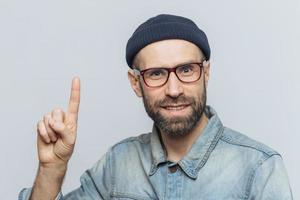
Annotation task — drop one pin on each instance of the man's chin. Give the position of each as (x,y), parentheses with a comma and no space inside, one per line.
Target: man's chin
(174,128)
(174,123)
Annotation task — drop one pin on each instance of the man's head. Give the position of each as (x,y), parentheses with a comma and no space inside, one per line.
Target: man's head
(174,97)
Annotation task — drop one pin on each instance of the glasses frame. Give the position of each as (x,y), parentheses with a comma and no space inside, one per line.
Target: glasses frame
(173,69)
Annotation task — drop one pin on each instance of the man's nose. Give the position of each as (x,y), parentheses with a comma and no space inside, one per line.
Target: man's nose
(174,87)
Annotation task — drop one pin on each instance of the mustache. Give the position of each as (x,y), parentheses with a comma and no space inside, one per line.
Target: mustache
(181,100)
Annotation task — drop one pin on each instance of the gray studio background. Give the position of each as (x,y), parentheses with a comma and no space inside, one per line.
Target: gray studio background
(254,83)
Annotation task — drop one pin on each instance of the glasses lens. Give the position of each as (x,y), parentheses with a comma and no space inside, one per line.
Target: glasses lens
(188,72)
(155,77)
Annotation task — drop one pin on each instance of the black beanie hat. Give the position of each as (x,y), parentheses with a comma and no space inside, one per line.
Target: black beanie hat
(164,27)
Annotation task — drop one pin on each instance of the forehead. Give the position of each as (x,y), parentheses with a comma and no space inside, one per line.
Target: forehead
(168,53)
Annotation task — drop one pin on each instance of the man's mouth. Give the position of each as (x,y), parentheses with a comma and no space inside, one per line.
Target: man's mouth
(175,107)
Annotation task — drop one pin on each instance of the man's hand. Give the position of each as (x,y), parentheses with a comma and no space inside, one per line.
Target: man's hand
(56,139)
(57,131)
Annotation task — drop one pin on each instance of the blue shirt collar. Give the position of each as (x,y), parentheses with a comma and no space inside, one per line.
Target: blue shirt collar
(196,158)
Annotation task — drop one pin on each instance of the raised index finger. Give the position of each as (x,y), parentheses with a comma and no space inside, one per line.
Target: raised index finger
(74,99)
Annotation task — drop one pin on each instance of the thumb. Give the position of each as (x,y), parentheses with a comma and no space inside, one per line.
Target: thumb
(62,130)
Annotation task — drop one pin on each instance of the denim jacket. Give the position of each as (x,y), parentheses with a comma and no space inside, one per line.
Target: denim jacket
(222,164)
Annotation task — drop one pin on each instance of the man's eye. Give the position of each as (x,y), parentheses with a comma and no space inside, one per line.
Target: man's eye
(156,73)
(185,69)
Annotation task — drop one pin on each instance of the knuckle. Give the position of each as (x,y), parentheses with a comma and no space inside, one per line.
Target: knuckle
(71,126)
(45,137)
(57,111)
(50,132)
(47,116)
(40,124)
(58,114)
(43,133)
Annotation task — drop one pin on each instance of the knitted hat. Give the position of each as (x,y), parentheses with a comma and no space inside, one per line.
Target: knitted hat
(164,27)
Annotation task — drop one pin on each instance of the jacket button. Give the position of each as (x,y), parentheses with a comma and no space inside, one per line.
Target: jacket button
(173,169)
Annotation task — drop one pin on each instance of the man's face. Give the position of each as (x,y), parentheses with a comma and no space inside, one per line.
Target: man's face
(176,107)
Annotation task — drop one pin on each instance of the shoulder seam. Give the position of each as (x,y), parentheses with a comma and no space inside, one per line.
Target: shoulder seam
(231,141)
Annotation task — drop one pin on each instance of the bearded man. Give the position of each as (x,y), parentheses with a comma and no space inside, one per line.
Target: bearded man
(189,154)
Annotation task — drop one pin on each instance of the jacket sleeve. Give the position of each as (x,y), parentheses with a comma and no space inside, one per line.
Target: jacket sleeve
(270,181)
(95,183)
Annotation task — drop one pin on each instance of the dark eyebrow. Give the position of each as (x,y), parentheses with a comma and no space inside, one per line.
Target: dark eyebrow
(180,64)
(184,63)
(188,62)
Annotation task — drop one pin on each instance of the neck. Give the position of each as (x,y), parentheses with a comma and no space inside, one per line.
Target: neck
(178,147)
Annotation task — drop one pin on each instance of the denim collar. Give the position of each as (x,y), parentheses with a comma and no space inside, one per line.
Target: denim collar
(196,158)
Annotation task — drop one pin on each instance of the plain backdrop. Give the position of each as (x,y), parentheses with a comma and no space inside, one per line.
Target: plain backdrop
(254,84)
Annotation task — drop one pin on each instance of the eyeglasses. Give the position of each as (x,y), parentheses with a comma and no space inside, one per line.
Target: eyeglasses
(157,77)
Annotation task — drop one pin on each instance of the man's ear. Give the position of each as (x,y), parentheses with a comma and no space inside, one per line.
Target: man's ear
(206,70)
(134,81)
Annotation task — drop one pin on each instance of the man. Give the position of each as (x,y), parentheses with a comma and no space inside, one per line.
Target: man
(188,155)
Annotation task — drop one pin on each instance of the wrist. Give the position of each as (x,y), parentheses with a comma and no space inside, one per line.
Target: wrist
(55,169)
(49,180)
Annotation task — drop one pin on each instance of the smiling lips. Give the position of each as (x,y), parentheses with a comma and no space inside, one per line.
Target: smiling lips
(175,107)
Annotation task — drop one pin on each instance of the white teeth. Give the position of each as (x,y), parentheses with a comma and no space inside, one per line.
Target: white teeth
(175,108)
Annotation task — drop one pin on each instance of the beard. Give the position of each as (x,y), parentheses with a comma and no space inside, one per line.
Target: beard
(176,126)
